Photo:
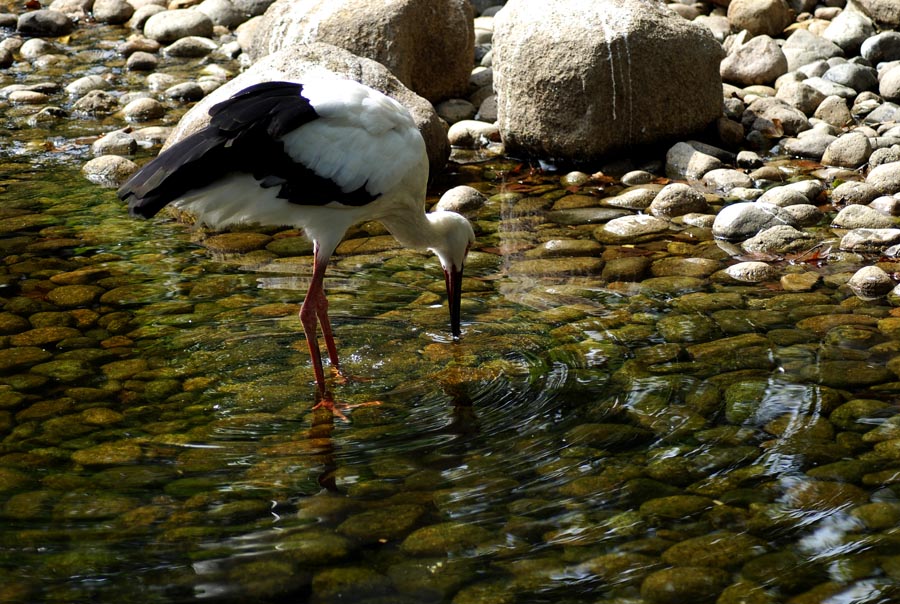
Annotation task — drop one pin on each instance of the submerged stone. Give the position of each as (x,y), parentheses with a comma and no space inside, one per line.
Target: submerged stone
(439,539)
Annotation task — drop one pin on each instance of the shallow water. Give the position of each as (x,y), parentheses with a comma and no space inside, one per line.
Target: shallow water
(586,441)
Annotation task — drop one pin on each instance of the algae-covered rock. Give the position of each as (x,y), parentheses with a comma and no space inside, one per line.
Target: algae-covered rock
(439,539)
(695,584)
(348,584)
(382,524)
(720,550)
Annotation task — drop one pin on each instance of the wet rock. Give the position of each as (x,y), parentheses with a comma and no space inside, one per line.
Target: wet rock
(869,240)
(780,239)
(351,583)
(635,198)
(847,374)
(676,507)
(237,242)
(461,199)
(606,435)
(557,267)
(112,453)
(688,328)
(630,229)
(717,550)
(684,584)
(440,539)
(111,11)
(750,272)
(743,220)
(824,495)
(143,109)
(44,22)
(431,579)
(684,161)
(109,170)
(870,282)
(73,296)
(678,199)
(190,47)
(388,523)
(94,103)
(862,217)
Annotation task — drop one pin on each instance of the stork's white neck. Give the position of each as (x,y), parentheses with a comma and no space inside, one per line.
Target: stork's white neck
(447,234)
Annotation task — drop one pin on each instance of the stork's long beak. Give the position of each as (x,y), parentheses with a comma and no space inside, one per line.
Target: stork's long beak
(453,277)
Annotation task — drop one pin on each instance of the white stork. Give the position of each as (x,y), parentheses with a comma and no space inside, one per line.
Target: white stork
(320,156)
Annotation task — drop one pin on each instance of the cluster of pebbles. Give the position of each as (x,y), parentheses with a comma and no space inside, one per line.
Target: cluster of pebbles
(734,309)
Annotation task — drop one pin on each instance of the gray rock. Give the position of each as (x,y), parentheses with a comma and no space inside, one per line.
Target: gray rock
(85,84)
(455,110)
(853,192)
(803,47)
(117,142)
(850,150)
(834,110)
(630,229)
(862,217)
(811,144)
(885,178)
(461,199)
(829,88)
(757,61)
(783,197)
(724,180)
(804,215)
(889,86)
(109,170)
(882,47)
(853,75)
(780,239)
(143,109)
(869,240)
(171,25)
(190,47)
(751,272)
(772,115)
(870,282)
(141,61)
(471,134)
(185,91)
(44,22)
(760,17)
(426,44)
(112,11)
(800,95)
(849,29)
(683,161)
(677,199)
(743,220)
(223,12)
(642,60)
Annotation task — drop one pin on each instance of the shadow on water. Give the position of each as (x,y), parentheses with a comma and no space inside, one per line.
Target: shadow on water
(587,440)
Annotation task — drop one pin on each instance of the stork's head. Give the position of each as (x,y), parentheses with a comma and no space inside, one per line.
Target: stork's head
(451,245)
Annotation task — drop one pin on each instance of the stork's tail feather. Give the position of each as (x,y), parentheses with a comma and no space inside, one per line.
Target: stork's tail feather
(189,164)
(242,136)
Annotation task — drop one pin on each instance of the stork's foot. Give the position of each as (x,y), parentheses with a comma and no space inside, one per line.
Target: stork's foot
(328,404)
(337,409)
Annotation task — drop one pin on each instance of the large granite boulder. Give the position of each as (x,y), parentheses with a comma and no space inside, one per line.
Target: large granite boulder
(427,44)
(578,81)
(304,61)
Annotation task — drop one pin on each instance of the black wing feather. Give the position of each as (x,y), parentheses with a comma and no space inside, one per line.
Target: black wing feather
(242,136)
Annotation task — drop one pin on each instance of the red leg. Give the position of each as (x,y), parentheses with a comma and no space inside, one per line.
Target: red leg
(325,323)
(310,313)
